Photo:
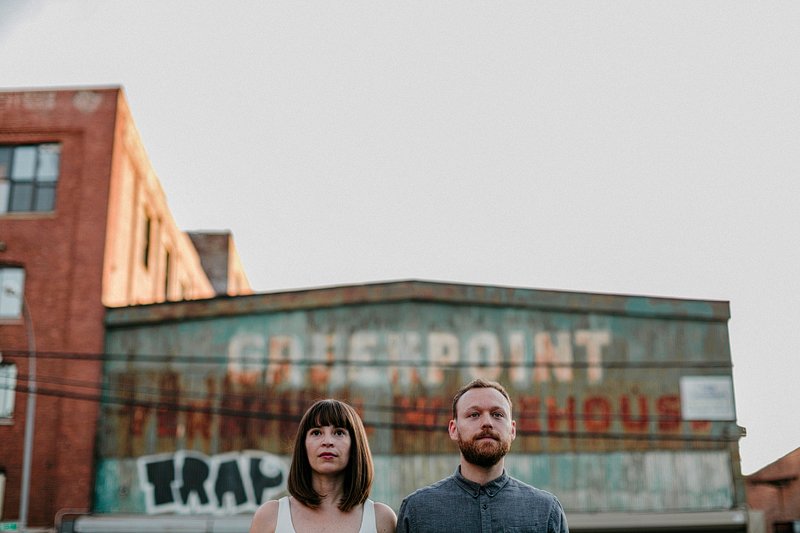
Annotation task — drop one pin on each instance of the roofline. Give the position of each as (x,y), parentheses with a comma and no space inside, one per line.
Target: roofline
(62,88)
(422,291)
(761,475)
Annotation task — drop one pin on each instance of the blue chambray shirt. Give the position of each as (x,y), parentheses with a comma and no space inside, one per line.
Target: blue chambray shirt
(504,504)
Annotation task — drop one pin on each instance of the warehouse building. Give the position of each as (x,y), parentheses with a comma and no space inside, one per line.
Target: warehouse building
(624,405)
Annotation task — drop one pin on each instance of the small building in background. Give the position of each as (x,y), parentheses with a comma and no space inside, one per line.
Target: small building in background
(221,262)
(624,405)
(775,491)
(84,225)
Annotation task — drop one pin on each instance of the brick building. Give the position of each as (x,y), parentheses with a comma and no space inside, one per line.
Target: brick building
(775,491)
(84,225)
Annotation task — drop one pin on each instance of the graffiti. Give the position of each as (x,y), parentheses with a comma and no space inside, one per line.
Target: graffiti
(187,482)
(536,358)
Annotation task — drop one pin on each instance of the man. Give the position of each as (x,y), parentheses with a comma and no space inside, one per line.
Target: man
(480,496)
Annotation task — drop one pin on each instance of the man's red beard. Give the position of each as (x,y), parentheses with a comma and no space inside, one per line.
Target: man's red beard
(484,453)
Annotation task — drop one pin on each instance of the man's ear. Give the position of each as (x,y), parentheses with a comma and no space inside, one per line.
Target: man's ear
(453,430)
(513,429)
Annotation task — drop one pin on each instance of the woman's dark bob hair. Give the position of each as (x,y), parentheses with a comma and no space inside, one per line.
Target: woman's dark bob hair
(359,471)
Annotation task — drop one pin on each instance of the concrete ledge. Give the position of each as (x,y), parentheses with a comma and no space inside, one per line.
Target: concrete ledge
(721,520)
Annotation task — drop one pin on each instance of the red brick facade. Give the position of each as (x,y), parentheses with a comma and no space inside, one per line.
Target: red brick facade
(775,491)
(85,254)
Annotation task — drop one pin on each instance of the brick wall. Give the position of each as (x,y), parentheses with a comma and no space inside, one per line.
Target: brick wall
(62,254)
(79,258)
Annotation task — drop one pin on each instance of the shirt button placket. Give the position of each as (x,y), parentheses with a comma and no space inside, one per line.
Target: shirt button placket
(486,515)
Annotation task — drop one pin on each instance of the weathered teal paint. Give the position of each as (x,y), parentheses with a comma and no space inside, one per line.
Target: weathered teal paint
(242,370)
(648,481)
(117,487)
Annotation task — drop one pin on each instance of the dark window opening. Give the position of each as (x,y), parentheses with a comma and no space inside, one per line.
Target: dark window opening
(166,276)
(147,230)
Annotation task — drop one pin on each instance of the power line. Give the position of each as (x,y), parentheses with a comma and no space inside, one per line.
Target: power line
(222,410)
(133,393)
(225,360)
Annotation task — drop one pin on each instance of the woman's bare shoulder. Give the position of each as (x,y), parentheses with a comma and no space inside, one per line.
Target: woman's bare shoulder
(385,519)
(266,518)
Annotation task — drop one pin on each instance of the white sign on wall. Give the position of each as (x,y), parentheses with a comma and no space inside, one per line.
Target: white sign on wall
(8,385)
(707,398)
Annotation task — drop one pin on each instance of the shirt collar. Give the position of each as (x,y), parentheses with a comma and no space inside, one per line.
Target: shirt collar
(473,489)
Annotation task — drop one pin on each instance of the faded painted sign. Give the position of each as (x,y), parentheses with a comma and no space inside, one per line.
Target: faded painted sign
(379,358)
(243,383)
(582,381)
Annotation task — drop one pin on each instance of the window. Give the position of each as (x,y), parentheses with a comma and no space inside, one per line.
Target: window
(147,231)
(28,177)
(12,288)
(166,276)
(8,382)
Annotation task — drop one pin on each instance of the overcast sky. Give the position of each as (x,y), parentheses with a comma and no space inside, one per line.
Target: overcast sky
(632,147)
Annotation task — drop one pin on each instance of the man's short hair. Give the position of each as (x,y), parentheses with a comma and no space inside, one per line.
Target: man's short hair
(480,384)
(359,472)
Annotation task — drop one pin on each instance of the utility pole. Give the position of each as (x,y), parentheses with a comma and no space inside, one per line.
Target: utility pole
(30,414)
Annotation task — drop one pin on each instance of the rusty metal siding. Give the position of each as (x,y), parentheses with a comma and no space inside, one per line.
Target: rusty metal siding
(594,380)
(635,482)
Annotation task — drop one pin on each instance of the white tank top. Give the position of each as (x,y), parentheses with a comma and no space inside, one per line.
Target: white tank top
(368,524)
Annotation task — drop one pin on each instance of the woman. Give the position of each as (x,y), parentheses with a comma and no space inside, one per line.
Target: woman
(329,479)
